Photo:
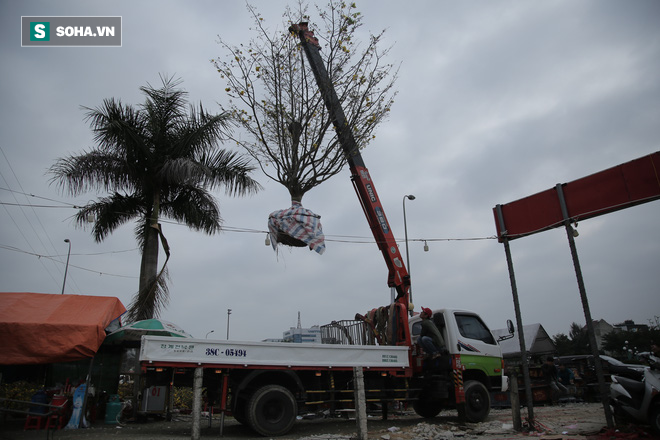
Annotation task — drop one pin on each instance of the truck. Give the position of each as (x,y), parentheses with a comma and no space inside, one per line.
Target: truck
(267,385)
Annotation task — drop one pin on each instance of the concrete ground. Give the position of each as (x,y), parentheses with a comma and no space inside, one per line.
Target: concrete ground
(567,421)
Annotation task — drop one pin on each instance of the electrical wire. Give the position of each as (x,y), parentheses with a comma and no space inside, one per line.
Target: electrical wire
(69,205)
(53,258)
(18,226)
(354,239)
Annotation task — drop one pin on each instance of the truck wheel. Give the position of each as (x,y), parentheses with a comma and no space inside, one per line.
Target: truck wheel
(477,401)
(272,410)
(427,408)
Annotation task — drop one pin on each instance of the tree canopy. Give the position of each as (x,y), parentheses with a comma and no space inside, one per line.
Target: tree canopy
(577,341)
(625,344)
(622,344)
(274,98)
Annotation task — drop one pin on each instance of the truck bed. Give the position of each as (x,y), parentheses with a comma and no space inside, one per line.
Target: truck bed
(171,350)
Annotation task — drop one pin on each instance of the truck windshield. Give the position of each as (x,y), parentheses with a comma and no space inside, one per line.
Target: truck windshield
(471,327)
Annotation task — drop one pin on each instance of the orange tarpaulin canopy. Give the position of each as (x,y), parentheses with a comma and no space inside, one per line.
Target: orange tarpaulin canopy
(38,328)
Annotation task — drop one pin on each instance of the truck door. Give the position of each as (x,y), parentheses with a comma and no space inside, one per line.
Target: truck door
(473,336)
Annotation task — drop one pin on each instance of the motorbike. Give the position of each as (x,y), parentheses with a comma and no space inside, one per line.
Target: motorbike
(638,400)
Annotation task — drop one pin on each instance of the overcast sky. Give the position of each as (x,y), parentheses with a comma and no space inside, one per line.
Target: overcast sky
(497,100)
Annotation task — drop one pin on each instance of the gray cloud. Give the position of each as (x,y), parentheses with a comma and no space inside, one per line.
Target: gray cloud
(497,100)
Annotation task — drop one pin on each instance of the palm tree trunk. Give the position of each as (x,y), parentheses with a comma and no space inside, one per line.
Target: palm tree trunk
(149,265)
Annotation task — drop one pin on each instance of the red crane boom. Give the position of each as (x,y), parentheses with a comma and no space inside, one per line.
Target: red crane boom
(398,276)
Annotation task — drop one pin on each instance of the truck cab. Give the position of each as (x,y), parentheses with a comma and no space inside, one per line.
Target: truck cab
(474,359)
(463,331)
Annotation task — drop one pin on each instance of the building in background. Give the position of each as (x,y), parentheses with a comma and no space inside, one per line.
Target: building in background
(299,335)
(601,328)
(629,326)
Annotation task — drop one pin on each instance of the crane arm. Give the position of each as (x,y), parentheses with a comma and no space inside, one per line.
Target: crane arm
(398,276)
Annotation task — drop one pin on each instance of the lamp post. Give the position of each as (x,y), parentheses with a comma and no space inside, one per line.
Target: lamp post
(207,335)
(228,313)
(405,229)
(66,269)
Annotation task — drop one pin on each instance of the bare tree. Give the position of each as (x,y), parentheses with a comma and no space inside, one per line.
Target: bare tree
(274,97)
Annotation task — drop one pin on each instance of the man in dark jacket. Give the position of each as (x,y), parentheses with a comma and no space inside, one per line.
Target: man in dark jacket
(430,338)
(549,371)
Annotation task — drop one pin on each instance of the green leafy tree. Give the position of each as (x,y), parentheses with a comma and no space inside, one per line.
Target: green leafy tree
(275,99)
(577,341)
(157,160)
(563,345)
(624,344)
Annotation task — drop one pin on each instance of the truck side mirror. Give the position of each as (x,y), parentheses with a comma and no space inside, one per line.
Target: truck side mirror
(512,330)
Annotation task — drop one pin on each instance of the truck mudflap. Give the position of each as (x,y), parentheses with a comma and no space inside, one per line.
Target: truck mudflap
(457,375)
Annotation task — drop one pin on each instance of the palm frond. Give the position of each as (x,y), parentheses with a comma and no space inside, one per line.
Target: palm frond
(149,302)
(230,170)
(110,213)
(201,133)
(194,207)
(93,170)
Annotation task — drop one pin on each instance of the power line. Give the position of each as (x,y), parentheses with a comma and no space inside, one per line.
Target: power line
(35,206)
(26,217)
(53,258)
(332,238)
(37,197)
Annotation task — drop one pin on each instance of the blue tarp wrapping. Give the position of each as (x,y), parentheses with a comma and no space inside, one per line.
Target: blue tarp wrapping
(298,223)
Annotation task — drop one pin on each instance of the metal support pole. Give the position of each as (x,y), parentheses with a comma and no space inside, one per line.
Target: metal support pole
(84,423)
(223,402)
(515,402)
(170,403)
(197,403)
(405,229)
(360,403)
(519,322)
(604,391)
(66,268)
(228,314)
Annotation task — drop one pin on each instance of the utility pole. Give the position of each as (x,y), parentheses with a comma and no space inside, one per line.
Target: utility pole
(228,313)
(66,269)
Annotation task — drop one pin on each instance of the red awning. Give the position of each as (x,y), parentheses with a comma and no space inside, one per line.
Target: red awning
(37,328)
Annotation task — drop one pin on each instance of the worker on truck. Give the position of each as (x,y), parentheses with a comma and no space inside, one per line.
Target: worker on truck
(430,338)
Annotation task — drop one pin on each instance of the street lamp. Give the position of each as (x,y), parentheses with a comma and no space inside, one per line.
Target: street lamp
(207,335)
(228,313)
(405,229)
(66,269)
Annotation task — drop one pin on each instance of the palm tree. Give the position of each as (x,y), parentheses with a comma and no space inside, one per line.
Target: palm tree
(155,161)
